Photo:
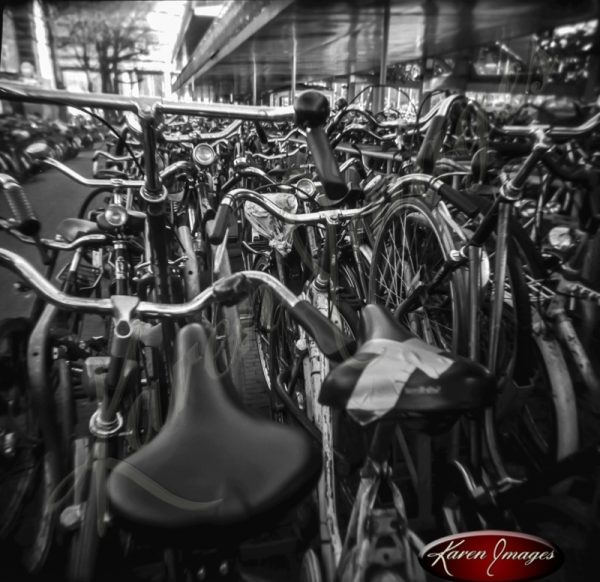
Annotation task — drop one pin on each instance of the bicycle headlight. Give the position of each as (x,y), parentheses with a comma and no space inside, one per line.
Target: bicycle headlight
(115,215)
(306,186)
(204,154)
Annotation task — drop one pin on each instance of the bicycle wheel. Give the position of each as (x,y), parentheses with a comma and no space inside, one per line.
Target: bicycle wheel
(262,313)
(542,425)
(536,410)
(412,243)
(18,466)
(229,337)
(590,312)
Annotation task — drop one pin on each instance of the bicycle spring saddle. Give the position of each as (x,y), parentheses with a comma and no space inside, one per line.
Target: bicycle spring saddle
(395,374)
(213,472)
(71,229)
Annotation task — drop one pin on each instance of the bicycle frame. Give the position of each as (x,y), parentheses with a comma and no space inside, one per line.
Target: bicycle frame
(320,292)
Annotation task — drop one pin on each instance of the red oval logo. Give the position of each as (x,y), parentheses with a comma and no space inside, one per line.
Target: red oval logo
(491,556)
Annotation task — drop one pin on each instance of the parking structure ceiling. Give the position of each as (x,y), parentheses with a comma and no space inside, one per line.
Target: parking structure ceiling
(337,39)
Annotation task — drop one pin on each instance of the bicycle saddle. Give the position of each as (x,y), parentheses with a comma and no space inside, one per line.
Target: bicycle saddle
(71,229)
(393,373)
(213,472)
(110,173)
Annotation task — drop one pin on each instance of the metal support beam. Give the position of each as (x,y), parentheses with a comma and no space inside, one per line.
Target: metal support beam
(378,98)
(254,95)
(239,23)
(294,68)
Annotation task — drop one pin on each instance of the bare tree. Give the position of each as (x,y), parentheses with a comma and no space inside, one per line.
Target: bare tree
(102,36)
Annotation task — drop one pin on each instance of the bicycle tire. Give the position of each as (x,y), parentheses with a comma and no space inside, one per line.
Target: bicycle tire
(540,355)
(590,311)
(14,334)
(431,234)
(261,325)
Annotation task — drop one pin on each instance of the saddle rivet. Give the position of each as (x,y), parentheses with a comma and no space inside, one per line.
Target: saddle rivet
(201,573)
(224,569)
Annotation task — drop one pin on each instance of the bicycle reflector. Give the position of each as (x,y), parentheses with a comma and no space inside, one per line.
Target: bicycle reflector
(204,154)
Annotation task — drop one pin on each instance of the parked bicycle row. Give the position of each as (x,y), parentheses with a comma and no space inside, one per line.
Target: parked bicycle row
(19,136)
(423,318)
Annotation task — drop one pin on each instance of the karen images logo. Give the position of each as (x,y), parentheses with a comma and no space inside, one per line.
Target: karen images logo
(491,556)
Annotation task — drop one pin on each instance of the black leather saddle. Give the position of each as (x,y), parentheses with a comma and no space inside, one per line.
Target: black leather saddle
(110,174)
(395,374)
(213,473)
(71,229)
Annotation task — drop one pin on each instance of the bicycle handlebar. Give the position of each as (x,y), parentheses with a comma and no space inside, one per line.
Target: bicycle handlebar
(57,245)
(197,136)
(216,232)
(141,105)
(114,182)
(274,157)
(556,132)
(332,342)
(312,110)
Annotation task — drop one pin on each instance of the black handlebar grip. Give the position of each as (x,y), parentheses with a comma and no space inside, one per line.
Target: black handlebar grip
(262,135)
(460,200)
(327,168)
(336,345)
(312,110)
(513,149)
(218,228)
(26,221)
(431,146)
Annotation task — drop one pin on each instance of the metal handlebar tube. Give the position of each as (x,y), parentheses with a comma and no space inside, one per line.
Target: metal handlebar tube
(256,173)
(12,91)
(42,287)
(222,110)
(182,166)
(55,245)
(274,157)
(231,289)
(110,182)
(115,159)
(92,182)
(217,135)
(49,292)
(320,216)
(555,132)
(19,92)
(287,136)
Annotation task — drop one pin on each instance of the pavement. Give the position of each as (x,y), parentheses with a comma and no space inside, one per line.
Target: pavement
(54,197)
